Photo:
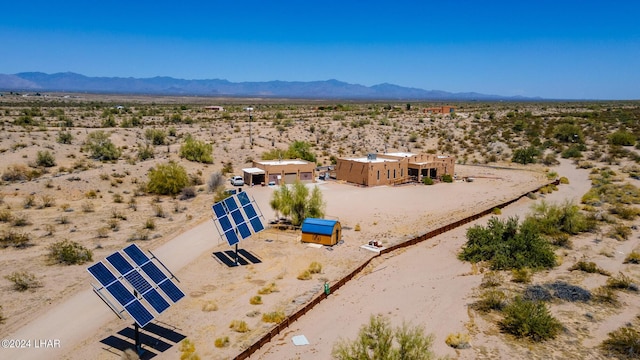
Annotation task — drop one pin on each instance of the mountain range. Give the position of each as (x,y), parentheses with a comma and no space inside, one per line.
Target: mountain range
(161,85)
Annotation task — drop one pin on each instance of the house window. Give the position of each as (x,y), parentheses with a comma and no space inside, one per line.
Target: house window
(394,173)
(378,174)
(401,172)
(388,174)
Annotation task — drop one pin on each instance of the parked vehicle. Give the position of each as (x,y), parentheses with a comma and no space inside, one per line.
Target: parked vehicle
(237,181)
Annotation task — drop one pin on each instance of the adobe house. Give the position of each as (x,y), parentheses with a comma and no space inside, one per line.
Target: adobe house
(393,168)
(321,231)
(439,110)
(214,108)
(279,171)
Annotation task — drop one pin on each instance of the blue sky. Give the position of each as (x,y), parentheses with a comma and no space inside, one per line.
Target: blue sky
(553,49)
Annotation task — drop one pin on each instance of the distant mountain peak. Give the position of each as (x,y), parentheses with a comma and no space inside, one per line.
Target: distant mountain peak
(164,85)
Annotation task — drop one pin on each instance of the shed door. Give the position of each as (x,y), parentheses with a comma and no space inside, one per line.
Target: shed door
(290,178)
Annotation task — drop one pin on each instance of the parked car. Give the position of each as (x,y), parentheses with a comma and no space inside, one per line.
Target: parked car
(237,181)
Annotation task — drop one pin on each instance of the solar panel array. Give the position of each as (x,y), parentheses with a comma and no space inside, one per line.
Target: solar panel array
(238,217)
(143,276)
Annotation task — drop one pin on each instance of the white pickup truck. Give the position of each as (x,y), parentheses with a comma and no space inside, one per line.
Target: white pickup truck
(237,181)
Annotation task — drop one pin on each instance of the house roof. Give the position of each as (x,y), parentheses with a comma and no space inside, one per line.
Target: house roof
(318,226)
(253,170)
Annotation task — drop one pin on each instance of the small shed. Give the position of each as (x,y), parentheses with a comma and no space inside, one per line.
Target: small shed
(321,231)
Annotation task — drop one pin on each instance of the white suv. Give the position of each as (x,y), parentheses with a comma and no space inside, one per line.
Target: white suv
(237,181)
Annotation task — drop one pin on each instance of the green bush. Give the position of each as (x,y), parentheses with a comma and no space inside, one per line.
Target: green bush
(447,178)
(296,203)
(589,267)
(100,146)
(167,179)
(522,275)
(508,245)
(377,340)
(145,152)
(492,299)
(620,232)
(23,280)
(525,155)
(427,180)
(155,136)
(45,159)
(196,150)
(624,342)
(64,137)
(551,219)
(622,138)
(69,253)
(531,319)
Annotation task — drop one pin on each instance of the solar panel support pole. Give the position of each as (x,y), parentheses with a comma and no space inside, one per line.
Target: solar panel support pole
(236,254)
(136,336)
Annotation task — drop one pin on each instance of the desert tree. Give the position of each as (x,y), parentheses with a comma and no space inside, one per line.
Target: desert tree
(167,179)
(297,203)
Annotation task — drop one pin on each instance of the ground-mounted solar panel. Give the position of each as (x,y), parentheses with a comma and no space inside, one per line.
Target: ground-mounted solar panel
(231,237)
(120,263)
(225,223)
(138,282)
(230,203)
(219,210)
(102,274)
(153,272)
(173,292)
(139,313)
(156,300)
(136,254)
(250,211)
(256,224)
(120,293)
(244,231)
(237,217)
(243,198)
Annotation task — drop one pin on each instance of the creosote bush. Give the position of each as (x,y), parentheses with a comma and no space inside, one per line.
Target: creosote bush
(239,326)
(268,289)
(222,342)
(14,239)
(196,150)
(623,342)
(23,280)
(491,299)
(167,179)
(530,319)
(255,300)
(69,253)
(273,317)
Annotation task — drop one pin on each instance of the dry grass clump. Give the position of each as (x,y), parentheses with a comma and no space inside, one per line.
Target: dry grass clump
(23,280)
(210,306)
(620,232)
(188,350)
(605,295)
(522,275)
(621,282)
(268,289)
(458,341)
(222,342)
(6,215)
(632,258)
(315,267)
(239,326)
(490,300)
(69,253)
(564,180)
(255,300)
(491,279)
(304,275)
(273,317)
(357,228)
(623,342)
(14,239)
(589,267)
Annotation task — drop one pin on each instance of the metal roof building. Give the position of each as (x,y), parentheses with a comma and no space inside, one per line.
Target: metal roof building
(321,231)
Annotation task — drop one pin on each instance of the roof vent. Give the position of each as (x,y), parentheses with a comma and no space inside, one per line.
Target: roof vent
(372,156)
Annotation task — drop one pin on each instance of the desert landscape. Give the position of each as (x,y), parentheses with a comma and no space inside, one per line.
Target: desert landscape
(75,173)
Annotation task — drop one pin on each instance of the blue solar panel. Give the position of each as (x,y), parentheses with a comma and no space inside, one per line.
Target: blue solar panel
(256,224)
(102,274)
(134,252)
(172,291)
(218,209)
(237,217)
(120,293)
(244,230)
(153,272)
(250,211)
(243,198)
(120,263)
(231,236)
(225,223)
(139,313)
(156,300)
(138,282)
(231,204)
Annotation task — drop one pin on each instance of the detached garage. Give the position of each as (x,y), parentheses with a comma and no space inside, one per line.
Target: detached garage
(321,231)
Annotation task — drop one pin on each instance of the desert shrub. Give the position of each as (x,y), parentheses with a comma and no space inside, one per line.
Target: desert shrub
(588,267)
(508,245)
(572,152)
(64,137)
(496,211)
(621,282)
(624,212)
(297,203)
(188,192)
(145,152)
(377,340)
(222,342)
(304,275)
(458,341)
(427,180)
(632,258)
(14,239)
(196,150)
(155,136)
(239,326)
(447,178)
(6,215)
(604,294)
(357,227)
(100,146)
(19,172)
(220,194)
(537,293)
(622,138)
(29,201)
(315,267)
(273,317)
(216,180)
(491,279)
(491,299)
(268,289)
(255,300)
(522,275)
(623,342)
(568,133)
(188,350)
(117,198)
(227,168)
(150,224)
(167,179)
(20,220)
(564,180)
(45,159)
(530,319)
(209,306)
(69,253)
(552,219)
(619,232)
(525,155)
(23,280)
(47,201)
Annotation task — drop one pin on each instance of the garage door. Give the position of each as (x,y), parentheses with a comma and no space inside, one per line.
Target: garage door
(306,176)
(290,178)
